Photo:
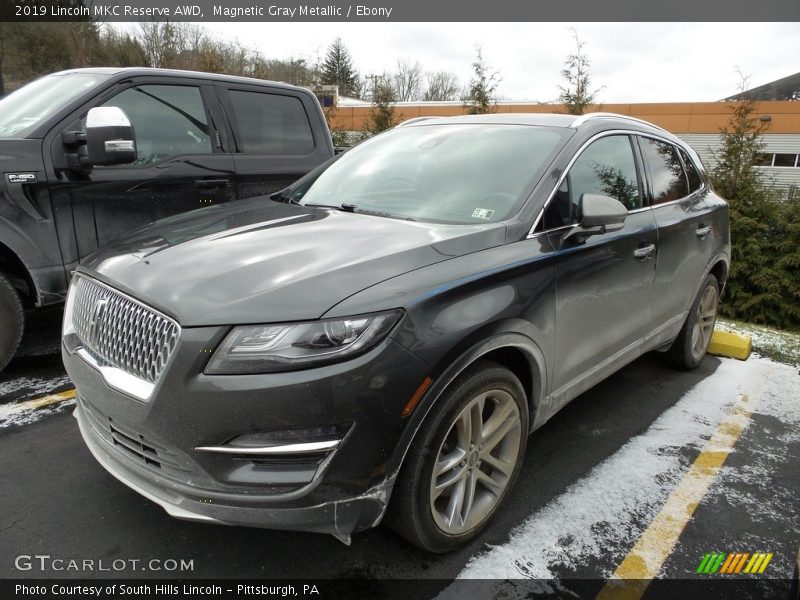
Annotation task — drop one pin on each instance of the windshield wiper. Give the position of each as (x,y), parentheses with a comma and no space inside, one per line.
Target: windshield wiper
(354,208)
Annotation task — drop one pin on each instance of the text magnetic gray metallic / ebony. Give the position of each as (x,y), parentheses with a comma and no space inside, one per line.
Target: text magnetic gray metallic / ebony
(379,338)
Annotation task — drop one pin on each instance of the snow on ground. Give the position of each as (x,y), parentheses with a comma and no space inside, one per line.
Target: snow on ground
(603,514)
(31,387)
(12,414)
(774,343)
(25,388)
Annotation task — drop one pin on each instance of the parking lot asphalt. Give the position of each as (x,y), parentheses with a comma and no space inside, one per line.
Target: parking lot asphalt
(598,482)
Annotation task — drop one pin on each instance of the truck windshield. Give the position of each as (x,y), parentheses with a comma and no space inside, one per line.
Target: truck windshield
(22,110)
(454,173)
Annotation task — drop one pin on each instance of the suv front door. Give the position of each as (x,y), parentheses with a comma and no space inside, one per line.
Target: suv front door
(604,283)
(180,163)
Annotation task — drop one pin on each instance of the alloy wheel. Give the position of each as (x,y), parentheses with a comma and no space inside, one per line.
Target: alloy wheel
(475,462)
(704,322)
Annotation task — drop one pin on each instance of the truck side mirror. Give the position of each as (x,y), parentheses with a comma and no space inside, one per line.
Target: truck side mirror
(109,137)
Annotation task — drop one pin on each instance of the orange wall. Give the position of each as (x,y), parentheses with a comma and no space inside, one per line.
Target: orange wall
(687,117)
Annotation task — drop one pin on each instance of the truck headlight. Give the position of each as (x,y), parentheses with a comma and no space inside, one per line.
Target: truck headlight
(293,346)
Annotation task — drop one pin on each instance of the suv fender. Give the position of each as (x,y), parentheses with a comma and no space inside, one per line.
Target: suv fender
(500,338)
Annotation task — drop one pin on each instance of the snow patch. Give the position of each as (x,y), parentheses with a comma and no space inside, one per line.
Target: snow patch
(13,415)
(606,512)
(29,387)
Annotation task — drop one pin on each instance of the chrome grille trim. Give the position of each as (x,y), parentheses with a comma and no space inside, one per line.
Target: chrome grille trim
(126,340)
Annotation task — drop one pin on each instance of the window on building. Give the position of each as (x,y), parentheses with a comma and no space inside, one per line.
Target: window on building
(777,159)
(784,160)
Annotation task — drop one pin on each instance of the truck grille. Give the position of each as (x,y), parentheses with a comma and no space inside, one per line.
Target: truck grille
(121,332)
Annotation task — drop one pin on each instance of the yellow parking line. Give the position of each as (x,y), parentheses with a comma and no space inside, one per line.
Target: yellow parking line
(42,402)
(645,560)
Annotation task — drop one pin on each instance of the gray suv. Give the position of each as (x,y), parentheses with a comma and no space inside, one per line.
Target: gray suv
(379,339)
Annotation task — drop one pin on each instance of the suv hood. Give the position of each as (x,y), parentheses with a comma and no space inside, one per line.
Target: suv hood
(257,261)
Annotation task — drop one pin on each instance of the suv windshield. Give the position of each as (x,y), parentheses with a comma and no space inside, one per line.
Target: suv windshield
(22,110)
(460,173)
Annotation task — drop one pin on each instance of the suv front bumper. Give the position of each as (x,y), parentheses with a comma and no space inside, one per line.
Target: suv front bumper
(155,447)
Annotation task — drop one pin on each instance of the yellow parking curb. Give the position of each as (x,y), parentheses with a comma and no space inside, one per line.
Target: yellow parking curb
(731,345)
(42,402)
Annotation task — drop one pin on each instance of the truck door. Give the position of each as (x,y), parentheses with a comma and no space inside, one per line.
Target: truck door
(275,143)
(181,163)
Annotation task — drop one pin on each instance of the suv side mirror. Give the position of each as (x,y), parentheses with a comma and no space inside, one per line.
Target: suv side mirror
(109,137)
(599,214)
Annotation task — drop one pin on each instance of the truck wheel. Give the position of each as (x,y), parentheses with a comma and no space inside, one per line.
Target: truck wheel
(691,345)
(464,460)
(12,321)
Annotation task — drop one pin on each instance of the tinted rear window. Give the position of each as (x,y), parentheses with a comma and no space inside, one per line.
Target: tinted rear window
(666,171)
(271,123)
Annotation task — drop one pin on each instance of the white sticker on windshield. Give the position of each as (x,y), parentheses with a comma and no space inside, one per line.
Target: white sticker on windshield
(482,213)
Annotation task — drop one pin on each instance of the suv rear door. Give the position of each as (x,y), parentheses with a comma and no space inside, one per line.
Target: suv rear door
(685,239)
(181,163)
(277,135)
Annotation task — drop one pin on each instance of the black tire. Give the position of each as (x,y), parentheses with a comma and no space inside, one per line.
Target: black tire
(12,321)
(411,511)
(685,353)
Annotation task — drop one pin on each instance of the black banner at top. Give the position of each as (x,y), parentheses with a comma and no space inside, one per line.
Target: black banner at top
(398,10)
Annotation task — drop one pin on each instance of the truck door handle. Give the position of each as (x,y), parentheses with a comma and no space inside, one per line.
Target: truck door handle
(703,231)
(645,252)
(207,183)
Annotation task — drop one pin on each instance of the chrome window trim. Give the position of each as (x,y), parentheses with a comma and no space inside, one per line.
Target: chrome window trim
(597,136)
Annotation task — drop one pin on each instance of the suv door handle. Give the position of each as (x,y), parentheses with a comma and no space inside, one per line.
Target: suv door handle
(204,183)
(645,252)
(703,231)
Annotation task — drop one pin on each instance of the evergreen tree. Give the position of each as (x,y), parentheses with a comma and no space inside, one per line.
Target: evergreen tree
(382,115)
(481,95)
(577,95)
(338,69)
(764,283)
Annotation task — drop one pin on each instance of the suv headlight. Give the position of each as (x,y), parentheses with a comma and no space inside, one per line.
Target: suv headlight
(293,346)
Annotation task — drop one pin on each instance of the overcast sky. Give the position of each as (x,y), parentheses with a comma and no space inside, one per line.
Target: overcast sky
(633,62)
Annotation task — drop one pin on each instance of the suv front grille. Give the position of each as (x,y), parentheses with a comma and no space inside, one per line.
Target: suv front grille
(121,332)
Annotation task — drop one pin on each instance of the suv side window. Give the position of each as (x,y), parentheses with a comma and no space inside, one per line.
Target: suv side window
(271,124)
(667,176)
(607,167)
(168,121)
(695,183)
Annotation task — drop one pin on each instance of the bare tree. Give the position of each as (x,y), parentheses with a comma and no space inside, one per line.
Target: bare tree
(442,86)
(157,39)
(408,80)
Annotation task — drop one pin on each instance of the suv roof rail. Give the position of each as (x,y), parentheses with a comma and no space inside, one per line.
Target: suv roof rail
(606,115)
(415,120)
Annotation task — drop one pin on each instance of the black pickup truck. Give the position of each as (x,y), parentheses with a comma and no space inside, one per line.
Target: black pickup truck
(88,154)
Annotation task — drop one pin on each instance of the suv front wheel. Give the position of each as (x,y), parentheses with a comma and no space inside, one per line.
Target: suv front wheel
(464,460)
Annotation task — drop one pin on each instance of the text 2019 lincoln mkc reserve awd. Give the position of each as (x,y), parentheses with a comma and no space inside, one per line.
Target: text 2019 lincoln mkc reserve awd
(379,339)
